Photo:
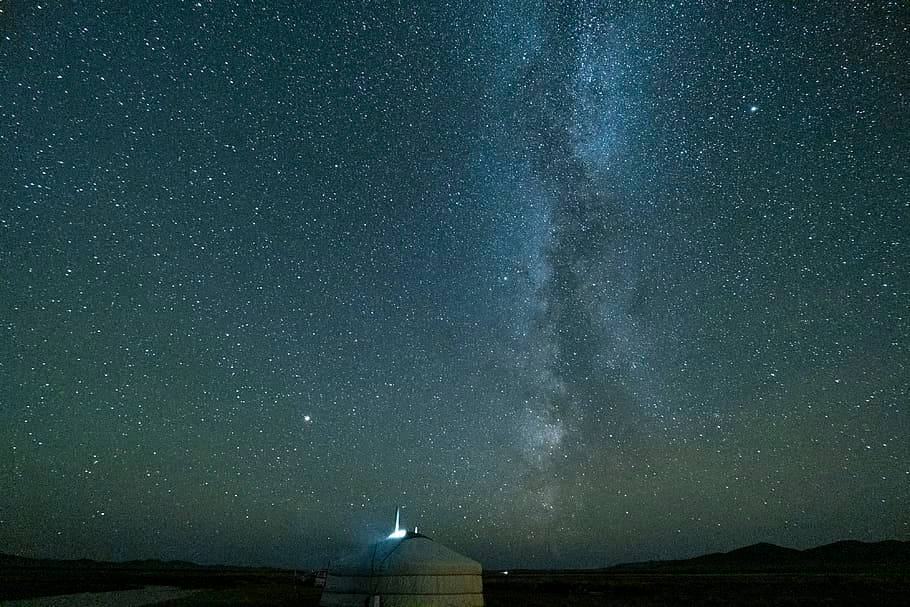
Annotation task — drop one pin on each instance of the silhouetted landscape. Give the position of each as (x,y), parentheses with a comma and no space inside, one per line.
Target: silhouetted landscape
(842,573)
(844,556)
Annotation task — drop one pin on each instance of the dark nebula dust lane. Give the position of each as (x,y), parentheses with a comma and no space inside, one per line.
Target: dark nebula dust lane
(573,283)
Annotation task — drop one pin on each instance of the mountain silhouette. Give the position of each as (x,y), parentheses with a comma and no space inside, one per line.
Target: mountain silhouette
(843,556)
(847,556)
(14,561)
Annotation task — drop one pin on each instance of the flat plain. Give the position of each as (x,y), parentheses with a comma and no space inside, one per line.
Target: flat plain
(530,588)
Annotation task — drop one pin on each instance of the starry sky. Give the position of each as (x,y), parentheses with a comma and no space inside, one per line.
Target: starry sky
(574,283)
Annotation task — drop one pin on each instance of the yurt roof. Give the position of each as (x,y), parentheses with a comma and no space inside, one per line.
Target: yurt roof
(413,554)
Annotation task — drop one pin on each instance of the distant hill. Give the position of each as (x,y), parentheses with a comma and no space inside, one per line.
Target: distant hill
(14,561)
(848,556)
(845,556)
(851,550)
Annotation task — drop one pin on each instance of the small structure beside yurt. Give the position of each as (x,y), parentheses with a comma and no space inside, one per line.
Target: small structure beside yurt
(406,569)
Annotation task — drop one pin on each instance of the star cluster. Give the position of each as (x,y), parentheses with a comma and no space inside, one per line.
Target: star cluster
(575,283)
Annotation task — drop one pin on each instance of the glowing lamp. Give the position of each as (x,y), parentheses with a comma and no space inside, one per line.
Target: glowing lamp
(399,532)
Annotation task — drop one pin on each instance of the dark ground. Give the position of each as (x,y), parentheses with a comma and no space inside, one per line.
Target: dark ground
(29,582)
(651,589)
(530,589)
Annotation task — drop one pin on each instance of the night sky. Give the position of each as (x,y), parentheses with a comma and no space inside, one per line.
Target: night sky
(573,283)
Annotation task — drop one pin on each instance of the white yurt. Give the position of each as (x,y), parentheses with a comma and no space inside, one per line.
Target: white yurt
(405,570)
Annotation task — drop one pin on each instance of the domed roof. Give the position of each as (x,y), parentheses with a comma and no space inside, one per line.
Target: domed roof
(413,554)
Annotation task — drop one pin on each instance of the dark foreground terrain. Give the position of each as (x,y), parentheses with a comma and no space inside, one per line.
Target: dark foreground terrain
(529,589)
(647,589)
(844,573)
(273,586)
